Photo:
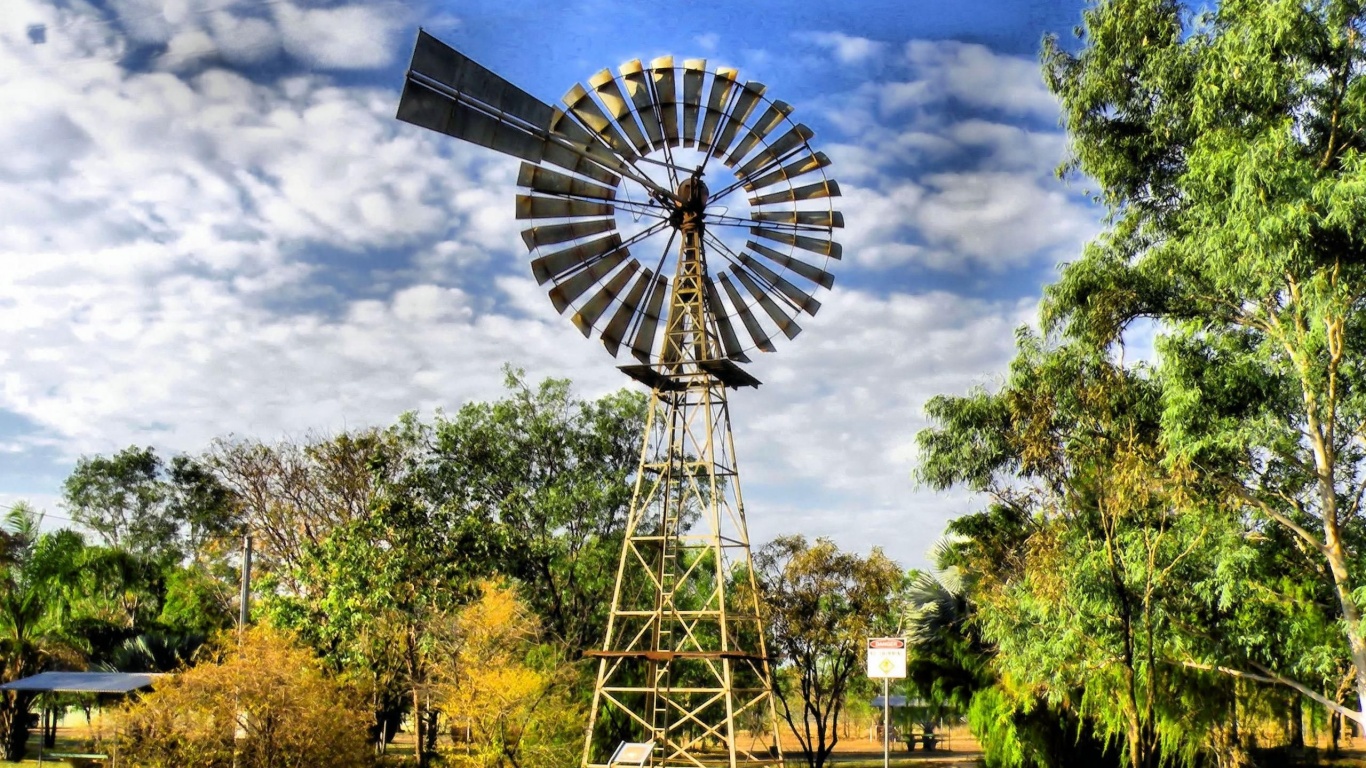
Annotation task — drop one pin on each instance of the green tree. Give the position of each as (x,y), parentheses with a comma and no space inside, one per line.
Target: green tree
(33,635)
(134,502)
(821,606)
(1226,146)
(552,476)
(379,590)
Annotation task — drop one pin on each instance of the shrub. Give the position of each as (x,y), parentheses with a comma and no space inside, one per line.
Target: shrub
(268,699)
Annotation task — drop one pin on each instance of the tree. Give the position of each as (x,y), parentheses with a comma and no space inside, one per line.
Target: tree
(263,702)
(122,499)
(1226,146)
(512,694)
(822,605)
(293,494)
(376,592)
(553,475)
(133,502)
(33,636)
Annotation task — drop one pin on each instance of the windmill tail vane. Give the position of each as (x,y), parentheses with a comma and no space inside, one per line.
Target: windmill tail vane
(620,174)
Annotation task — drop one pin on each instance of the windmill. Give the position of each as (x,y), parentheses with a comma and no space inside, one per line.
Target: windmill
(642,252)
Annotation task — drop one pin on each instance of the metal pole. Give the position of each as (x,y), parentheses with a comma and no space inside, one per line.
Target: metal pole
(246,584)
(886,726)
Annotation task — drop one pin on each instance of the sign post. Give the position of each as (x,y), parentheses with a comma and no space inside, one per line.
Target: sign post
(886,660)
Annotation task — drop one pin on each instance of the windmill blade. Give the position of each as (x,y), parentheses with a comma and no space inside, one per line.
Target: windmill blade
(751,322)
(814,274)
(722,84)
(542,179)
(569,136)
(536,237)
(795,138)
(643,342)
(815,245)
(693,72)
(743,105)
(730,343)
(588,314)
(582,106)
(772,117)
(570,290)
(637,86)
(826,219)
(666,97)
(790,171)
(785,324)
(537,207)
(605,85)
(559,262)
(809,192)
(615,332)
(797,296)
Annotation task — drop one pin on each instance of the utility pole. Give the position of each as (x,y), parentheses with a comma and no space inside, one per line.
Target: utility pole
(246,585)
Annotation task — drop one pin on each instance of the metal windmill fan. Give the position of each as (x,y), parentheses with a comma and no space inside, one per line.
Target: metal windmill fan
(613,178)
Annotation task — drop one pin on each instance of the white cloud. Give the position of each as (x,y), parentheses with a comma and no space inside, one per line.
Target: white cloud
(848,49)
(350,36)
(840,407)
(974,75)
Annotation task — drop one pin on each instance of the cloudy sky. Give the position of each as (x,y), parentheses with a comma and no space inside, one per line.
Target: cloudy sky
(212,224)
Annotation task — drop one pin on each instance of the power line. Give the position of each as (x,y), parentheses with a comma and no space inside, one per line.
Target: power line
(41,513)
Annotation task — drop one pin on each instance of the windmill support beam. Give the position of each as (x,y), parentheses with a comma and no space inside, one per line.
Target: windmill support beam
(684,662)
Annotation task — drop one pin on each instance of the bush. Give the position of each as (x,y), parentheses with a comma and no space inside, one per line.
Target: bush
(268,699)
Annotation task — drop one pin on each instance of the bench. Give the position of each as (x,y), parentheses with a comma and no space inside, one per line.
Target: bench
(43,756)
(930,741)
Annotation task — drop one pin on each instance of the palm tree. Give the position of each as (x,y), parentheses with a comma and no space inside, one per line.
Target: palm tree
(32,636)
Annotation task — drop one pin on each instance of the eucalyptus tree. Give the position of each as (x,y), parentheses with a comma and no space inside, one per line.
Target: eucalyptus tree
(137,503)
(821,605)
(551,476)
(1089,608)
(1227,147)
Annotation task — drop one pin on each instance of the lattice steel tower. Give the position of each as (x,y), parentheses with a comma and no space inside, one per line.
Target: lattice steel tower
(683,663)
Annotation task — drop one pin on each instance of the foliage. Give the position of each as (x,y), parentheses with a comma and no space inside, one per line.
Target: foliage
(138,505)
(551,477)
(33,637)
(821,606)
(292,495)
(269,689)
(1226,148)
(508,692)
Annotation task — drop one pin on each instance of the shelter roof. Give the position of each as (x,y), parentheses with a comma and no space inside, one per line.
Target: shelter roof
(83,682)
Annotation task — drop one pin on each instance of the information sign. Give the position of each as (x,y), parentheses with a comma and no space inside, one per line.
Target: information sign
(886,657)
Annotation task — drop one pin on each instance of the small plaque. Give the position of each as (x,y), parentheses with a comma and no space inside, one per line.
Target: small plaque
(635,753)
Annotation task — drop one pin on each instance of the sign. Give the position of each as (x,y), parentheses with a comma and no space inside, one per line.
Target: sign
(632,753)
(886,657)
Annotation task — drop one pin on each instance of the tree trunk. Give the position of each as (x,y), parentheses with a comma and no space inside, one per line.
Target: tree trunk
(1297,723)
(14,722)
(419,743)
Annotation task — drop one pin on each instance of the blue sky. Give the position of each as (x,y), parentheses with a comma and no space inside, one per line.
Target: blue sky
(211,225)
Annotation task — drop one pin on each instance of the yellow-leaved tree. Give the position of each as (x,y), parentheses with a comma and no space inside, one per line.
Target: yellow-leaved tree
(507,697)
(264,700)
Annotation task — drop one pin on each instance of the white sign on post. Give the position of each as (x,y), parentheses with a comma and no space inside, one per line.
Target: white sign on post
(886,657)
